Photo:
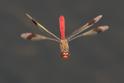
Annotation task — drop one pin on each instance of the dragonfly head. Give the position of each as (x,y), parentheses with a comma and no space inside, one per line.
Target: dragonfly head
(65,55)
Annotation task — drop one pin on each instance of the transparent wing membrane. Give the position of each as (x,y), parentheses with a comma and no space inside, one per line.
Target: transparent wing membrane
(92,32)
(42,27)
(84,27)
(35,37)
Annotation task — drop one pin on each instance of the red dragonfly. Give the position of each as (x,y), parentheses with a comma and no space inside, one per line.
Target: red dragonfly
(63,41)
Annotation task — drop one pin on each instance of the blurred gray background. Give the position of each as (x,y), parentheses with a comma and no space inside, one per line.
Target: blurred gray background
(97,59)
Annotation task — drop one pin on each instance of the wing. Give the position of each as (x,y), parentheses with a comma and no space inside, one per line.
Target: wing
(41,27)
(35,37)
(86,26)
(92,32)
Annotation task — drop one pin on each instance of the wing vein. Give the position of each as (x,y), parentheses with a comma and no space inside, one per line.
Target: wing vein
(41,27)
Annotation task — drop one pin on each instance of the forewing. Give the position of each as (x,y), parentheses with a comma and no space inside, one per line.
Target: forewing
(92,32)
(35,37)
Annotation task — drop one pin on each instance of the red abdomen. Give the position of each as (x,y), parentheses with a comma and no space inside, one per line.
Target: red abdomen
(62,27)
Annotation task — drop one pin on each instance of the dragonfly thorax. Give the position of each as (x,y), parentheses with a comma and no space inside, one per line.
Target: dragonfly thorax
(64,47)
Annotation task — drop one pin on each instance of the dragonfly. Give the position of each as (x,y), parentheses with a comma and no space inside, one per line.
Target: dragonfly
(63,41)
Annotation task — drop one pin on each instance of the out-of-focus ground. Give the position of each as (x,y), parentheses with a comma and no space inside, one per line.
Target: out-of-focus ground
(97,59)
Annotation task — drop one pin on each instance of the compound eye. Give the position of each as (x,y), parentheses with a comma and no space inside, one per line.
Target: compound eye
(65,54)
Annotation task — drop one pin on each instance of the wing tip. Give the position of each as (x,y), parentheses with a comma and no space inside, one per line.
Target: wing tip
(27,35)
(102,28)
(97,18)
